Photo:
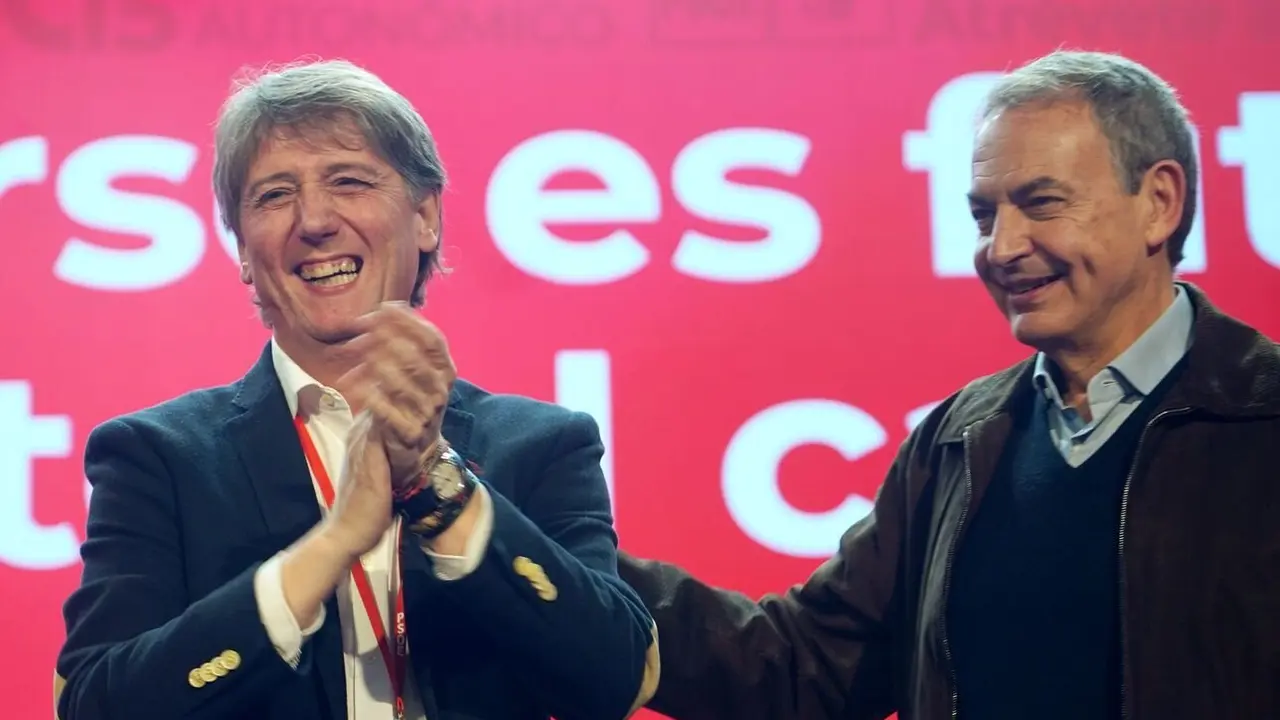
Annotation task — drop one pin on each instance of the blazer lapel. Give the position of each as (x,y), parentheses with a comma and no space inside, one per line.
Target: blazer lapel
(264,435)
(415,566)
(271,453)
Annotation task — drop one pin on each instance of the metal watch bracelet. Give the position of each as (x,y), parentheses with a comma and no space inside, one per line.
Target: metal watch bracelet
(446,488)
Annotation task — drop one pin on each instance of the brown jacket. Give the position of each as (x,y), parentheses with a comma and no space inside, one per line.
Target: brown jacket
(865,636)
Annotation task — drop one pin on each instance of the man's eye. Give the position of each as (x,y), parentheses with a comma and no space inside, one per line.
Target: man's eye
(351,181)
(984,218)
(269,196)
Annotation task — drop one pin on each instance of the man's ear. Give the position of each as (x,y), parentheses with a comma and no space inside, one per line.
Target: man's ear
(1164,189)
(246,275)
(428,223)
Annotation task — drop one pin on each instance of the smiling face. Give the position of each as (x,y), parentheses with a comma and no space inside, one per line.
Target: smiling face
(328,230)
(1069,256)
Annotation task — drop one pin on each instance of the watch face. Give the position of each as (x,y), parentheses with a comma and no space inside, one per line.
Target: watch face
(446,480)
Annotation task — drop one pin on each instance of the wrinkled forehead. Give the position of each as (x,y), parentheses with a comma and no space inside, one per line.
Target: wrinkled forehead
(1061,141)
(312,147)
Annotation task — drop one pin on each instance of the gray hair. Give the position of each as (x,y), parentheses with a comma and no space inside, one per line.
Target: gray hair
(319,94)
(1138,112)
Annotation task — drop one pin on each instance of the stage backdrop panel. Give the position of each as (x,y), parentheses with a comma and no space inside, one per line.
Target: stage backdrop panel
(734,231)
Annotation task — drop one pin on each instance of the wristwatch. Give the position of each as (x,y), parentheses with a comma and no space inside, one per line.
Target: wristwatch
(442,492)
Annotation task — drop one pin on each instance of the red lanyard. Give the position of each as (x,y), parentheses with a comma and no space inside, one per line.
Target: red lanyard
(395,661)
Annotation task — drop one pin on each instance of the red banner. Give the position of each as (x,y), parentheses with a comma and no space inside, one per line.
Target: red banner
(734,231)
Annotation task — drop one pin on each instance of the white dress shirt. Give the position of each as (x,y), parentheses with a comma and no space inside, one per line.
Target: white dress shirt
(369,695)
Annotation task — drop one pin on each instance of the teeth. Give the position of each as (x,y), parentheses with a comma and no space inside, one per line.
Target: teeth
(335,280)
(313,271)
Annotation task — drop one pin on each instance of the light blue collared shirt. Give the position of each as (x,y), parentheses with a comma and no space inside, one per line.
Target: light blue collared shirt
(1117,391)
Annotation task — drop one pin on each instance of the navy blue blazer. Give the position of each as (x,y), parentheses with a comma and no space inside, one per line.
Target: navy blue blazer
(191,496)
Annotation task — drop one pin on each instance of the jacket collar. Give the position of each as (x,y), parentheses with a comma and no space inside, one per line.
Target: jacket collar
(1232,371)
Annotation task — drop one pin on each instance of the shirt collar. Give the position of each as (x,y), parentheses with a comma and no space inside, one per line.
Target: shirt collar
(300,389)
(1146,362)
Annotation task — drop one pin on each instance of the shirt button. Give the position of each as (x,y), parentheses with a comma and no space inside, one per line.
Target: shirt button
(328,403)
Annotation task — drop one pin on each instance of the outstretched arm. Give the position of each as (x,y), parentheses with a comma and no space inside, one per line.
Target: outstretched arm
(821,650)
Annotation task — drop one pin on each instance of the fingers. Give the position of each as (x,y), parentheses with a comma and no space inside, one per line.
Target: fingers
(361,429)
(402,374)
(397,317)
(404,331)
(398,423)
(364,437)
(367,467)
(399,388)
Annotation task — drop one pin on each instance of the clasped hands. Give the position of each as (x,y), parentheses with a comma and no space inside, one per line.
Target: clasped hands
(398,385)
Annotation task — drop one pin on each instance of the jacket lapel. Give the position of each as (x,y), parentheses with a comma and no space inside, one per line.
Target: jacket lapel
(264,435)
(268,444)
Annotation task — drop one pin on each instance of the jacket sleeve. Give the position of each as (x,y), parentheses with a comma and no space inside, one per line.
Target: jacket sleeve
(548,591)
(136,645)
(824,649)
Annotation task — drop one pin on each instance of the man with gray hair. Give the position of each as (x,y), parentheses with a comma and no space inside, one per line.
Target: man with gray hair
(1091,533)
(349,531)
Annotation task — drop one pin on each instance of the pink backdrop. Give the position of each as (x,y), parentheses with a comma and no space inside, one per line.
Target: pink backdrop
(732,230)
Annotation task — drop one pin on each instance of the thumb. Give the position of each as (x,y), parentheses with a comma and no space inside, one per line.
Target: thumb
(362,430)
(355,387)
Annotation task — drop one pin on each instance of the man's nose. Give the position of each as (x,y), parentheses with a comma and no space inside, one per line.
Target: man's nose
(317,217)
(1010,238)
